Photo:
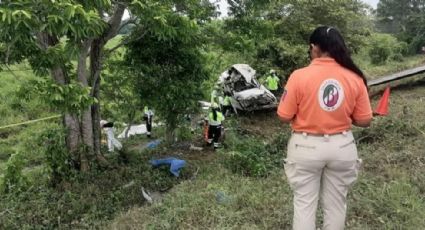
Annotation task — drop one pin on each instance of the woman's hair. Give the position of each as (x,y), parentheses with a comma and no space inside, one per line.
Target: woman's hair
(330,40)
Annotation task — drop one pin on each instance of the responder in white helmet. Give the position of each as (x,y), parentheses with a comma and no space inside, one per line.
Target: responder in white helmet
(112,141)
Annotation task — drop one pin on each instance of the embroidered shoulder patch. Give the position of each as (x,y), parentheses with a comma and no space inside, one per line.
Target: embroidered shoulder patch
(331,95)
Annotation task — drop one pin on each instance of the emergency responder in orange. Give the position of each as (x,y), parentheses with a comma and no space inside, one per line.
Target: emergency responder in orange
(322,101)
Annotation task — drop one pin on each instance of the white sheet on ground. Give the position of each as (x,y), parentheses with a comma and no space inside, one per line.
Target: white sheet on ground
(134,129)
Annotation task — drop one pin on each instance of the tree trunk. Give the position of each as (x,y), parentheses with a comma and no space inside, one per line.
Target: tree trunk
(87,140)
(73,137)
(70,121)
(130,122)
(87,130)
(170,132)
(86,116)
(95,69)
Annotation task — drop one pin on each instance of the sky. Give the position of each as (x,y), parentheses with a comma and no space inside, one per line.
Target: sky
(223,5)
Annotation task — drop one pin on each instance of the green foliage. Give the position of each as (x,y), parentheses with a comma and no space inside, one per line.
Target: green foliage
(405,19)
(388,129)
(383,47)
(184,133)
(170,69)
(250,157)
(276,32)
(86,199)
(20,20)
(389,205)
(249,203)
(388,194)
(283,55)
(58,161)
(14,180)
(71,98)
(120,92)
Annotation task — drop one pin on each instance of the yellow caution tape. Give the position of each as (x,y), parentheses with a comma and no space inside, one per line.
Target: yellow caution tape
(29,122)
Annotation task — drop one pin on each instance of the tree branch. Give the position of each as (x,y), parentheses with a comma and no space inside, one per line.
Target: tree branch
(125,42)
(128,22)
(11,72)
(82,62)
(115,21)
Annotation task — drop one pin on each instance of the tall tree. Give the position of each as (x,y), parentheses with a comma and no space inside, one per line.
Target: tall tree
(404,18)
(66,40)
(121,101)
(276,31)
(56,37)
(170,70)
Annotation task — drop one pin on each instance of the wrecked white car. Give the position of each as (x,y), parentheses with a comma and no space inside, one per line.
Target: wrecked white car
(247,93)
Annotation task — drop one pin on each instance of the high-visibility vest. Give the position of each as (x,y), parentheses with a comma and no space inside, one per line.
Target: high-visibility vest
(214,96)
(272,82)
(218,121)
(148,112)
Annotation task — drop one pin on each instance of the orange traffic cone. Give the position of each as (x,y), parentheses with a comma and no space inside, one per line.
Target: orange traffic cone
(382,107)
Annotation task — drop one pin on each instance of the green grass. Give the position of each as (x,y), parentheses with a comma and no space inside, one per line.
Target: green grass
(15,109)
(373,72)
(86,199)
(388,195)
(249,203)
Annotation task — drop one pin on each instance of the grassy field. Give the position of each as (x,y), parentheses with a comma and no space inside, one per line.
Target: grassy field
(15,109)
(388,195)
(373,71)
(18,106)
(214,191)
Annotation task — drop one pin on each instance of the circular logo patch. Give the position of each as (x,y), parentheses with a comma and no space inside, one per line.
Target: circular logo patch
(331,95)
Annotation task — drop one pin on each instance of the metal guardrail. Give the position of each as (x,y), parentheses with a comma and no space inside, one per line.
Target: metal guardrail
(397,76)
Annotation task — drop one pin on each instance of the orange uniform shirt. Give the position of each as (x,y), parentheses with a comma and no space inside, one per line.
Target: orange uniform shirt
(324,98)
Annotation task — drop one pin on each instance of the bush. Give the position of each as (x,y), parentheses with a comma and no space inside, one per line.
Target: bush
(250,157)
(286,57)
(87,198)
(389,129)
(14,180)
(383,47)
(184,133)
(59,163)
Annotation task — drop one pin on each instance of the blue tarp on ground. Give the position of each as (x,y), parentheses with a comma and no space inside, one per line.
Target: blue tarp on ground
(153,144)
(175,164)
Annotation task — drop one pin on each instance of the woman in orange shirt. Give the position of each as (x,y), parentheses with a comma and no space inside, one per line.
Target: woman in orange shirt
(322,101)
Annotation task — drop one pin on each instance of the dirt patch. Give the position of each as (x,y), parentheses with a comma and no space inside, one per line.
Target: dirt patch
(261,123)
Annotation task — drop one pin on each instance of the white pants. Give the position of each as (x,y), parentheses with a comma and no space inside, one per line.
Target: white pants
(112,141)
(321,166)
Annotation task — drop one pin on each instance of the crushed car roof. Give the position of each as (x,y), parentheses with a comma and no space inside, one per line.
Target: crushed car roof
(246,71)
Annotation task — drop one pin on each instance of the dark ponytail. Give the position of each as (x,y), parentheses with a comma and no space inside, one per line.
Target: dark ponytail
(330,40)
